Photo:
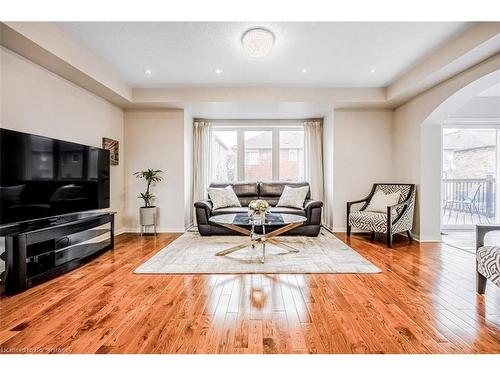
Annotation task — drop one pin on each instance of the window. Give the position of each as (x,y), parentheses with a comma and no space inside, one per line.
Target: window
(258,155)
(469,182)
(291,164)
(256,151)
(224,155)
(251,158)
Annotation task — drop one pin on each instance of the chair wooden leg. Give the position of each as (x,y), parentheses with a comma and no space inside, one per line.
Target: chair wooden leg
(348,230)
(480,283)
(408,233)
(389,239)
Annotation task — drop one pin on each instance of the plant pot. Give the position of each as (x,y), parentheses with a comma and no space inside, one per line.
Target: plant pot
(147,215)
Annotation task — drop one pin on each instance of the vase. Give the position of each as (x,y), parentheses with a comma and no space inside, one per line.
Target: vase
(259,217)
(147,216)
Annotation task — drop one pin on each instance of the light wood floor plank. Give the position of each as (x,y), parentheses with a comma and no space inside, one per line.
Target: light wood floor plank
(424,301)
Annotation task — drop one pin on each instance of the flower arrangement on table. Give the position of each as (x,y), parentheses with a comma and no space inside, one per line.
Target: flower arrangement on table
(258,207)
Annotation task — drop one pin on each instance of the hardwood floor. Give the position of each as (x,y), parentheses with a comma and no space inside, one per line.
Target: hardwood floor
(424,301)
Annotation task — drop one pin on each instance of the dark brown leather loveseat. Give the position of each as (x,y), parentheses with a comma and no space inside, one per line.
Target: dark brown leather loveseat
(269,191)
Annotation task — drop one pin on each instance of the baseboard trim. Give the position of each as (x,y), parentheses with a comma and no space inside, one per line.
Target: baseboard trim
(159,230)
(119,231)
(415,236)
(429,239)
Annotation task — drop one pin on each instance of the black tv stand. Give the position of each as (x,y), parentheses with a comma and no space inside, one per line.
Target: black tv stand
(40,250)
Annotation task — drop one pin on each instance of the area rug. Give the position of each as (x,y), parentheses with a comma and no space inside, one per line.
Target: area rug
(194,254)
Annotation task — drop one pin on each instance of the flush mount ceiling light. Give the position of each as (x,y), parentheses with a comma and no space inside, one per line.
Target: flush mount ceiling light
(257,42)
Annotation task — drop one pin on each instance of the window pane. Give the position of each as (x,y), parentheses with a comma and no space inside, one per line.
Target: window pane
(258,155)
(291,155)
(469,176)
(224,151)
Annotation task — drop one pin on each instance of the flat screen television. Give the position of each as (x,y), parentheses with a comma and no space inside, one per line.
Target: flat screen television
(43,177)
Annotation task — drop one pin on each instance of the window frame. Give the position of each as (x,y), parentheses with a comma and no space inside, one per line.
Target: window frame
(275,127)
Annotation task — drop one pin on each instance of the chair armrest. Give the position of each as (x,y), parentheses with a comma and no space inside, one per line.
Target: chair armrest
(391,209)
(396,206)
(358,201)
(311,203)
(481,230)
(349,204)
(206,204)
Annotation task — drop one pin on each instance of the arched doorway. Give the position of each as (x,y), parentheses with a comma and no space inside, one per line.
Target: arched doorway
(431,194)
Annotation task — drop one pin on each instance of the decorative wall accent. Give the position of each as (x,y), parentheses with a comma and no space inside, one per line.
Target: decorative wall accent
(112,146)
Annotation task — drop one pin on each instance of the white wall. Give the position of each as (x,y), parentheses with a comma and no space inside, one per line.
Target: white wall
(430,228)
(188,169)
(478,108)
(34,100)
(156,139)
(362,156)
(328,168)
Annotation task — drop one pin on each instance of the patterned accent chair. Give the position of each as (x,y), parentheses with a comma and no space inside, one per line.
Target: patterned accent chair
(487,258)
(399,218)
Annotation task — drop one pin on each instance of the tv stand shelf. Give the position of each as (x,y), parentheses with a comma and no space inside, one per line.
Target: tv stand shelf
(40,250)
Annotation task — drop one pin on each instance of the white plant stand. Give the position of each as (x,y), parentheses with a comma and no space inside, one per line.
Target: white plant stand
(148,218)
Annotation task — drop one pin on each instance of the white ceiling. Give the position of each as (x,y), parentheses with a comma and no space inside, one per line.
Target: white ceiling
(335,54)
(493,91)
(271,110)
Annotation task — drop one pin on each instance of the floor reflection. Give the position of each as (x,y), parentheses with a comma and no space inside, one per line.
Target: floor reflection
(256,296)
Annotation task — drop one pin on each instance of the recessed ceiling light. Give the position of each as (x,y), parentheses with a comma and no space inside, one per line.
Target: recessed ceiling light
(257,42)
(304,71)
(372,70)
(218,71)
(148,72)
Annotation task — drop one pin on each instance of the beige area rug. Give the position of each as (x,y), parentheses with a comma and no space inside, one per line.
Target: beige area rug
(193,254)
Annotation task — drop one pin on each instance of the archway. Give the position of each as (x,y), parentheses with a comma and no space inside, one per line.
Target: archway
(431,149)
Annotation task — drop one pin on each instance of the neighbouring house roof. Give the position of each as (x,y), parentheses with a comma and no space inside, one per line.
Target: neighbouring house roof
(290,139)
(465,139)
(219,141)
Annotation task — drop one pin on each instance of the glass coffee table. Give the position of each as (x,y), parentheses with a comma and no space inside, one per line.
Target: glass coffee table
(239,221)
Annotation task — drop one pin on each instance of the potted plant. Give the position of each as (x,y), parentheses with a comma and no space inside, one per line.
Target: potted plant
(148,211)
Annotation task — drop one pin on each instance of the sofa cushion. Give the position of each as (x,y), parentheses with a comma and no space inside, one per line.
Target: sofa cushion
(293,197)
(275,189)
(373,221)
(271,201)
(229,210)
(245,201)
(223,197)
(380,201)
(241,189)
(288,210)
(488,263)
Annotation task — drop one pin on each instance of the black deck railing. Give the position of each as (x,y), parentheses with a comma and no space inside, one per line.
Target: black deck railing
(459,189)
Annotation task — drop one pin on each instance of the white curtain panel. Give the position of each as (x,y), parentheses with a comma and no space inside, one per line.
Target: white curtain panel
(201,159)
(313,131)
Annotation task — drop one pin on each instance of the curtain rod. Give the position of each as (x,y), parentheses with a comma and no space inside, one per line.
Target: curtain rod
(257,120)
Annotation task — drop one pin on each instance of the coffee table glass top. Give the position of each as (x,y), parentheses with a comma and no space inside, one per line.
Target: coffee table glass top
(242,219)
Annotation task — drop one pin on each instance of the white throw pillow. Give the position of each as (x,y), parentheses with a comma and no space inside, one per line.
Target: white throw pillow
(380,201)
(223,197)
(293,197)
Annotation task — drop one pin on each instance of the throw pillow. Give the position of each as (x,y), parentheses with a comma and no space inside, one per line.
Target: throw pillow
(380,201)
(223,197)
(293,197)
